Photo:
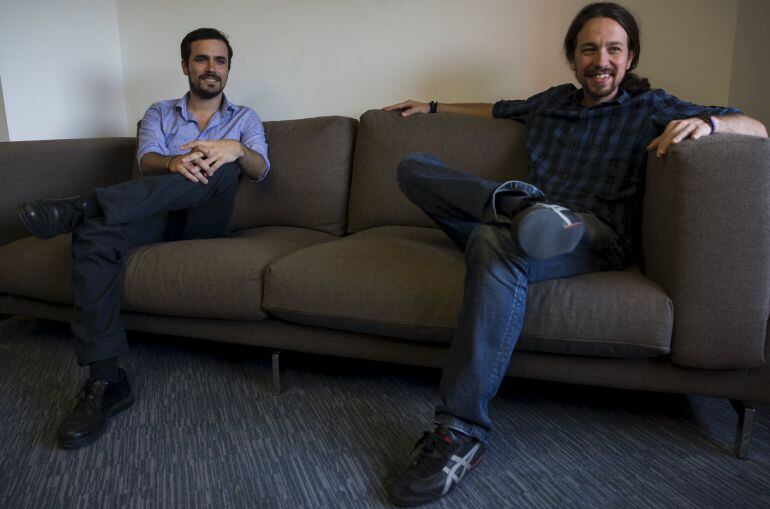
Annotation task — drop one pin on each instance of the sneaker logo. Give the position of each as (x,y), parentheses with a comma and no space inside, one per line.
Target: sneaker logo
(559,210)
(461,467)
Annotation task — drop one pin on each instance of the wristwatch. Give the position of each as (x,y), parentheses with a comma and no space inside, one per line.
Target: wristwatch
(709,121)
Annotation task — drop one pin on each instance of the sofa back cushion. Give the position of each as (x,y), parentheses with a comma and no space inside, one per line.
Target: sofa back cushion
(491,148)
(34,170)
(309,177)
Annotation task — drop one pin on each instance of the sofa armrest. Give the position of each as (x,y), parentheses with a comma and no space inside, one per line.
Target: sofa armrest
(34,170)
(706,240)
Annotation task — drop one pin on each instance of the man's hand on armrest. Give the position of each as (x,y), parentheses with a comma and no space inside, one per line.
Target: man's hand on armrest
(409,108)
(694,128)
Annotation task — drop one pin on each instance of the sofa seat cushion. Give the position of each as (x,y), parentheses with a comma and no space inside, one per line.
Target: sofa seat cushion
(407,282)
(39,269)
(209,278)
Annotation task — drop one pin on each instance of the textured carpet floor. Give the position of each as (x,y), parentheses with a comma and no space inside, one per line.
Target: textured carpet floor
(207,432)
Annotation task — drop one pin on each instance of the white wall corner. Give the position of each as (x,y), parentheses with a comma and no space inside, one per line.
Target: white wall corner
(4,136)
(62,74)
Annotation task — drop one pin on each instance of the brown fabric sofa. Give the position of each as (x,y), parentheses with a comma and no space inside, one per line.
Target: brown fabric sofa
(327,256)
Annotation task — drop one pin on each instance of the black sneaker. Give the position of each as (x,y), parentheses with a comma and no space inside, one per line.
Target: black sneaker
(440,460)
(97,401)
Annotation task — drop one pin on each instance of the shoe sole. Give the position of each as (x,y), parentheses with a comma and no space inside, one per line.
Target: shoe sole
(541,234)
(429,498)
(22,213)
(117,407)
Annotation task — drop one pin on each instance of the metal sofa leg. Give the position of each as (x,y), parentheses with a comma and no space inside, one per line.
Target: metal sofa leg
(746,412)
(277,373)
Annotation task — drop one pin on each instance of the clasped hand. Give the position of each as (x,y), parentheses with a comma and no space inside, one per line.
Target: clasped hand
(205,158)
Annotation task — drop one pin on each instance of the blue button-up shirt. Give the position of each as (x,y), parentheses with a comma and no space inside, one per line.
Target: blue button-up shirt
(167,125)
(594,159)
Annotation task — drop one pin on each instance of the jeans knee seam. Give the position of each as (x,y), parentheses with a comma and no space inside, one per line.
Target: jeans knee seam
(506,335)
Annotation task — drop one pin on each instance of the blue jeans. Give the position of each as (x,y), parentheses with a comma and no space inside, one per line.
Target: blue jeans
(497,276)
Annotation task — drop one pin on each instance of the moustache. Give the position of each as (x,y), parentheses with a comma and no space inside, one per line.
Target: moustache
(593,71)
(211,76)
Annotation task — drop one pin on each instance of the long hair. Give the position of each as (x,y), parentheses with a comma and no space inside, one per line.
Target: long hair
(632,82)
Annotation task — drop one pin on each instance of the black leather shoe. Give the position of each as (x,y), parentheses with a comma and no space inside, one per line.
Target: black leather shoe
(98,400)
(49,218)
(440,461)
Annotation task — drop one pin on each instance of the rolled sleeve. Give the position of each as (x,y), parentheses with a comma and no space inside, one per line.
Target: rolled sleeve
(670,108)
(253,138)
(150,137)
(510,109)
(521,110)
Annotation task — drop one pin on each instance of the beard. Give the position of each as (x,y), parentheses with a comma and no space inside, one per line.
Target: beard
(205,91)
(596,91)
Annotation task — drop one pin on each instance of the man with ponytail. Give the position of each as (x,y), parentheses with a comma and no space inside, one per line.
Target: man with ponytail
(577,213)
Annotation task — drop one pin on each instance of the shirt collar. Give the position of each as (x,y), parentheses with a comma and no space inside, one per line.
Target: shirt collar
(577,98)
(181,106)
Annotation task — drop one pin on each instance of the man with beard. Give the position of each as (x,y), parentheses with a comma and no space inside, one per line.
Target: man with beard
(191,152)
(575,215)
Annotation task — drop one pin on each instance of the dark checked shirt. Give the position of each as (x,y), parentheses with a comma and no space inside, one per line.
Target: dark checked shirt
(593,159)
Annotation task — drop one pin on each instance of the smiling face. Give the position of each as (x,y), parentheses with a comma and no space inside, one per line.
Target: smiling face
(207,68)
(601,60)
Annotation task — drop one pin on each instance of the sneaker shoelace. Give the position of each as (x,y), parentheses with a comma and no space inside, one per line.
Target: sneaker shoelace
(429,446)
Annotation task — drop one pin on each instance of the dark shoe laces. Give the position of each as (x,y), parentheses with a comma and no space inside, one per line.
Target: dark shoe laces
(429,445)
(90,389)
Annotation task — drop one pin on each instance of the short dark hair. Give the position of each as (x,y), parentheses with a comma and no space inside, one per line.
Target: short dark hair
(201,34)
(622,17)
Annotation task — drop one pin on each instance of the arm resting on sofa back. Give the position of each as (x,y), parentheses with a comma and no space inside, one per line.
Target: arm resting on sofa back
(34,170)
(706,240)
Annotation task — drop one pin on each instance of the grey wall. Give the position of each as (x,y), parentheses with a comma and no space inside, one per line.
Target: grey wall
(93,68)
(303,58)
(750,84)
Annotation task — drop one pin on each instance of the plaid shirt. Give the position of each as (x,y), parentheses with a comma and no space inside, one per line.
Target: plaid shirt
(593,159)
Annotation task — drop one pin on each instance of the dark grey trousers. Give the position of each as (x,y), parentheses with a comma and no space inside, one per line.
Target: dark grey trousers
(152,209)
